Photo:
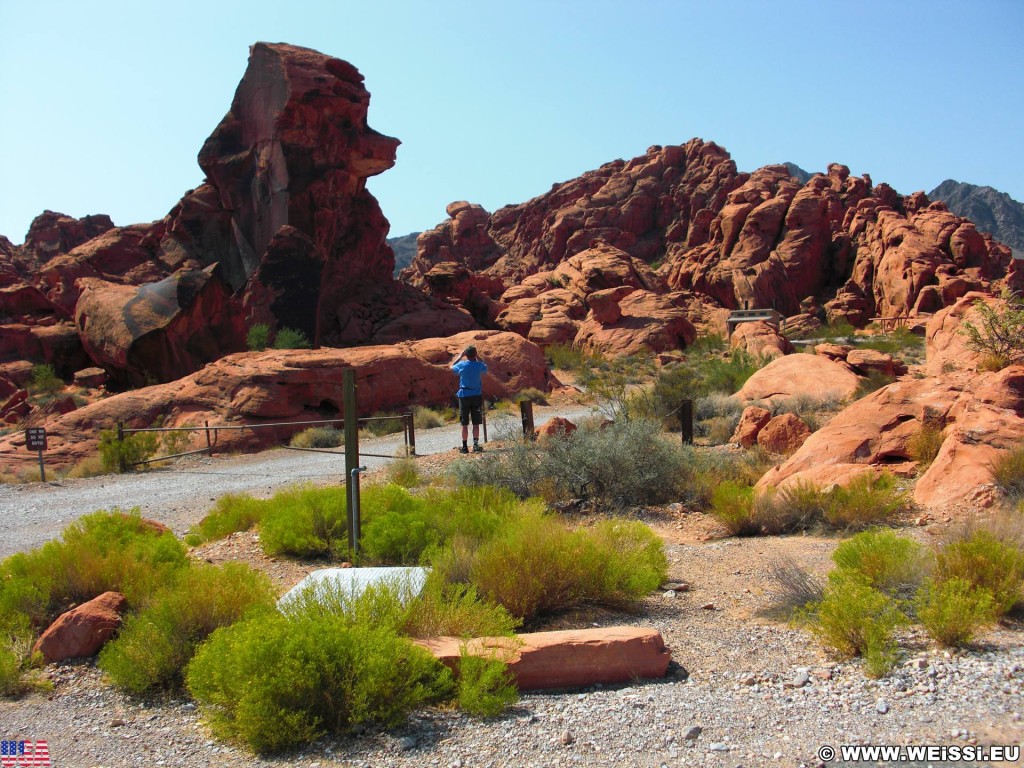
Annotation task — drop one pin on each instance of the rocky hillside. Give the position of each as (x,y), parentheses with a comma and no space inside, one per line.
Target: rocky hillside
(992,211)
(685,230)
(404,248)
(798,173)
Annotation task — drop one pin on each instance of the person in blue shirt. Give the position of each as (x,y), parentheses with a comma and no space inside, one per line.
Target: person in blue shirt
(470,394)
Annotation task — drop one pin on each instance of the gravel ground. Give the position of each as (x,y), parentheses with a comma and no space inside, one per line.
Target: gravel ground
(754,691)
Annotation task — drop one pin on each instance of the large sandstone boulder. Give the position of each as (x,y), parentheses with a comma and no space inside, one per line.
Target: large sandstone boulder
(783,433)
(761,339)
(52,234)
(751,422)
(159,330)
(567,659)
(981,415)
(812,375)
(292,386)
(945,343)
(82,631)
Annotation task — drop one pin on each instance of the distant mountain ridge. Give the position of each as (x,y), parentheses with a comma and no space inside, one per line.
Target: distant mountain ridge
(991,210)
(405,250)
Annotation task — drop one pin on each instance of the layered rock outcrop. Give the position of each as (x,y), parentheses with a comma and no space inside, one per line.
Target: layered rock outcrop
(283,216)
(291,385)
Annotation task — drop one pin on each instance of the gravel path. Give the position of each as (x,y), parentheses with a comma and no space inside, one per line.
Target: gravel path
(180,494)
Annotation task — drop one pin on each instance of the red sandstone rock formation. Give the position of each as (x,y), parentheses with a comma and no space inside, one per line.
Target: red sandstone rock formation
(760,338)
(727,238)
(813,375)
(52,234)
(82,631)
(292,385)
(751,422)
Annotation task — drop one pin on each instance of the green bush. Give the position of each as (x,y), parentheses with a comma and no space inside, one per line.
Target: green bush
(318,437)
(537,566)
(257,339)
(100,552)
(998,332)
(403,472)
(899,342)
(924,446)
(426,418)
(892,564)
(486,686)
(1008,472)
(232,512)
(703,471)
(304,522)
(565,357)
(867,500)
(155,644)
(44,380)
(121,455)
(15,661)
(837,329)
(986,563)
(532,395)
(875,380)
(290,338)
(952,611)
(277,682)
(733,504)
(853,619)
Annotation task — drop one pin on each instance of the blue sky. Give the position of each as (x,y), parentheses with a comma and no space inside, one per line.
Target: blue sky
(106,104)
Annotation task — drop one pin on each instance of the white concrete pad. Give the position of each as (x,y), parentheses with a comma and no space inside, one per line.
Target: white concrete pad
(352,582)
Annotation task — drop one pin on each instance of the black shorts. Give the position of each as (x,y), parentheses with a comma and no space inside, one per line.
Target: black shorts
(471,406)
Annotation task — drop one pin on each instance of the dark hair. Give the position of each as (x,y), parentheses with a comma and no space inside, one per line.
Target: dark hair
(470,352)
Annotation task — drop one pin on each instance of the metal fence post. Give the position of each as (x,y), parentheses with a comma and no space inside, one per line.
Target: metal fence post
(348,382)
(410,420)
(209,445)
(526,410)
(686,421)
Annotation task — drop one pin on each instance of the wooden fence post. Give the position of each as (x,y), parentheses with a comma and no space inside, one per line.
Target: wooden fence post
(686,421)
(348,382)
(526,411)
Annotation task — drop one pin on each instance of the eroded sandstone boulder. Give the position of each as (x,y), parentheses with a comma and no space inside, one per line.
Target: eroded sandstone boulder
(812,375)
(761,339)
(82,631)
(783,433)
(751,422)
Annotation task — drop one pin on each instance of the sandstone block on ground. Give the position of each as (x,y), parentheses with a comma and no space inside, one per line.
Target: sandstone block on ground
(566,659)
(751,422)
(783,434)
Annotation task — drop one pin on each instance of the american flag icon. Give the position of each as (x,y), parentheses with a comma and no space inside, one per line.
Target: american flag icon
(23,754)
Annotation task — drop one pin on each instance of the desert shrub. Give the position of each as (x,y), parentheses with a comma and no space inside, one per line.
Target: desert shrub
(875,380)
(155,645)
(588,464)
(399,528)
(732,504)
(796,507)
(729,374)
(998,331)
(44,380)
(486,687)
(90,466)
(257,338)
(925,444)
(537,566)
(953,611)
(717,405)
(854,619)
(290,338)
(867,500)
(797,587)
(403,472)
(532,395)
(380,424)
(304,521)
(837,329)
(566,357)
(623,465)
(900,341)
(986,563)
(16,660)
(100,552)
(892,564)
(703,471)
(1008,472)
(318,437)
(616,385)
(232,512)
(426,418)
(121,455)
(277,682)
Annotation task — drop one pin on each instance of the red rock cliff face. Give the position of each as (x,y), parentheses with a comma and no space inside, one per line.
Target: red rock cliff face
(730,239)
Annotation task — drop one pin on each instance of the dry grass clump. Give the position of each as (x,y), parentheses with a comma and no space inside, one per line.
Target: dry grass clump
(1008,472)
(318,437)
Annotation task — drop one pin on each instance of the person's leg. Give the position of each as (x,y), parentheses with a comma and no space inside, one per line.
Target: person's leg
(476,411)
(464,419)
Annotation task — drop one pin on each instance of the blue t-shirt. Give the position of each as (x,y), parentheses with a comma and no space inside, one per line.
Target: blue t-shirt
(469,373)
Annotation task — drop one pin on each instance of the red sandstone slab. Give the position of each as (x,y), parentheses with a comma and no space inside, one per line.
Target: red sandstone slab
(566,659)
